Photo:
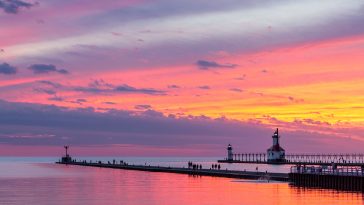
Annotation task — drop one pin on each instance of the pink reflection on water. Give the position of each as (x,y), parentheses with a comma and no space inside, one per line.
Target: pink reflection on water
(88,185)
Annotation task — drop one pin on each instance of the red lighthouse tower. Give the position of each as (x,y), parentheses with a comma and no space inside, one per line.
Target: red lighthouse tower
(276,154)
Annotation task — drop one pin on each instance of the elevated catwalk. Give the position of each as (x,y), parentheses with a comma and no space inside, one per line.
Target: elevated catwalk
(277,155)
(307,159)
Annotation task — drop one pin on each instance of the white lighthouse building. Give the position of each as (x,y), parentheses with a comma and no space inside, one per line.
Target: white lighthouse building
(276,153)
(230,153)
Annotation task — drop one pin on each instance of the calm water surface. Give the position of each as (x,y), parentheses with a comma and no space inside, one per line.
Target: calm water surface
(39,181)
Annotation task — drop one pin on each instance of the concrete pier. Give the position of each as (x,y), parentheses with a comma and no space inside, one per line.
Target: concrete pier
(199,172)
(342,178)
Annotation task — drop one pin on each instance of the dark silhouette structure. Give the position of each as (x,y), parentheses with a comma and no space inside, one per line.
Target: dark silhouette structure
(67,158)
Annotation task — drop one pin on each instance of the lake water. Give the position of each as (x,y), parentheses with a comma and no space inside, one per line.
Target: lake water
(39,181)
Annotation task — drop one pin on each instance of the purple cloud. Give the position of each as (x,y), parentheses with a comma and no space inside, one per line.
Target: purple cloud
(45,90)
(204,87)
(205,65)
(109,103)
(13,6)
(45,69)
(128,89)
(56,98)
(85,126)
(143,107)
(102,87)
(79,101)
(7,69)
(173,86)
(236,90)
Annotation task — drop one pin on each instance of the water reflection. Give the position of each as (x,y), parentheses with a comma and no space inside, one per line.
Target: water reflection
(88,185)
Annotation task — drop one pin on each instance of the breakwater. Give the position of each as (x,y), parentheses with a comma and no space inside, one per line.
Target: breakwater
(189,171)
(333,177)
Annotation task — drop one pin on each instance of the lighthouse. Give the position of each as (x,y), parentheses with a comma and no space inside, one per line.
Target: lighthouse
(230,153)
(276,154)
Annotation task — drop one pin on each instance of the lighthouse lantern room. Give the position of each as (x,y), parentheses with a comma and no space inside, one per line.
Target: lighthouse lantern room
(276,154)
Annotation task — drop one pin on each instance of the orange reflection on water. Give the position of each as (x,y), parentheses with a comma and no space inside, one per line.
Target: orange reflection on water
(60,184)
(136,187)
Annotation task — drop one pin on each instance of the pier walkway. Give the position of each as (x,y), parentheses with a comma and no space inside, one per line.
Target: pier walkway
(189,171)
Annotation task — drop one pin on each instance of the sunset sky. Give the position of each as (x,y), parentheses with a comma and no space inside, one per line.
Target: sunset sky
(180,77)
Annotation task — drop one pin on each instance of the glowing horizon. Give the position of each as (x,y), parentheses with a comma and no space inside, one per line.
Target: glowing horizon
(293,65)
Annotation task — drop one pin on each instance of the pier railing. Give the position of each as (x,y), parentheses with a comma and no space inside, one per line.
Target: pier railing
(250,157)
(333,177)
(319,159)
(318,170)
(326,158)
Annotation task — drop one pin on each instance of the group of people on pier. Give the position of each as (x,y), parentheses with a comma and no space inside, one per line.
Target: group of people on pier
(114,162)
(191,165)
(216,166)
